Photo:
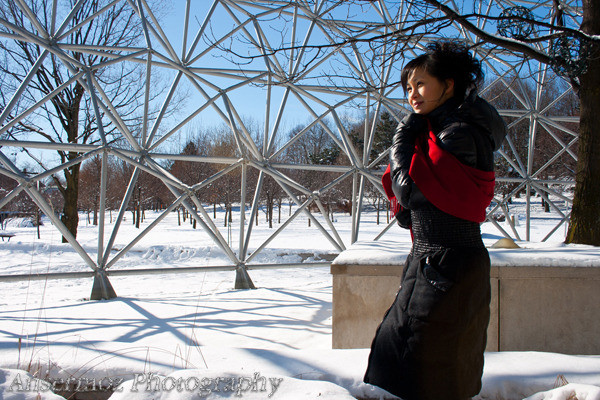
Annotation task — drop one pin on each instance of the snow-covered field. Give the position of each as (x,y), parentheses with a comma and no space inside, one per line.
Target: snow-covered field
(191,335)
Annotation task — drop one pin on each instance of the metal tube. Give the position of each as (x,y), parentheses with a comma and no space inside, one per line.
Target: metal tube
(33,19)
(26,36)
(115,117)
(144,23)
(354,232)
(149,170)
(281,178)
(145,232)
(186,23)
(201,30)
(113,59)
(41,203)
(266,142)
(216,43)
(119,220)
(242,211)
(13,175)
(298,135)
(212,230)
(184,122)
(359,204)
(147,99)
(163,109)
(17,95)
(240,138)
(216,176)
(314,167)
(155,271)
(562,221)
(61,36)
(90,85)
(312,218)
(348,147)
(387,228)
(71,147)
(159,35)
(9,197)
(340,242)
(103,180)
(281,228)
(252,18)
(255,201)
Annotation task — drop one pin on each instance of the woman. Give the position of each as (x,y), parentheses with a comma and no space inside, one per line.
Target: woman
(431,341)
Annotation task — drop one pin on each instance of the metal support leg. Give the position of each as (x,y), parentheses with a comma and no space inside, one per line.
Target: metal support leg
(102,289)
(242,279)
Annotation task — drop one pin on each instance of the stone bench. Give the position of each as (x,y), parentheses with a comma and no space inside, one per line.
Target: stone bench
(544,298)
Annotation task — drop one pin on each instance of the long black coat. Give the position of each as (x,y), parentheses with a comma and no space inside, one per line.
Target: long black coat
(431,341)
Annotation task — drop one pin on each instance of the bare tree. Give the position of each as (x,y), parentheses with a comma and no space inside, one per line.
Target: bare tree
(226,189)
(69,116)
(573,51)
(89,186)
(564,36)
(21,204)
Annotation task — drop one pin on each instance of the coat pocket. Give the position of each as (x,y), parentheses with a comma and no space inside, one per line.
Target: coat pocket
(435,296)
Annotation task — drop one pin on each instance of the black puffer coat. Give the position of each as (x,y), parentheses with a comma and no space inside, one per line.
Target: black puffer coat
(431,341)
(471,131)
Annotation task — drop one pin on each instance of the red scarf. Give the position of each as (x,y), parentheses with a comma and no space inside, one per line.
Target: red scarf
(448,184)
(387,188)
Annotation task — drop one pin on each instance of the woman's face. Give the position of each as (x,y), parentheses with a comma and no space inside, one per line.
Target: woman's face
(426,92)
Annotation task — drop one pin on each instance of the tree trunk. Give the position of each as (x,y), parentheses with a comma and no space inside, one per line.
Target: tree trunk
(584,225)
(138,210)
(70,122)
(279,211)
(70,216)
(387,212)
(96,204)
(270,213)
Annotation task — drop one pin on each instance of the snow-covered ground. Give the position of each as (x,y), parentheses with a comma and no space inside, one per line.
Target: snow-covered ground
(191,335)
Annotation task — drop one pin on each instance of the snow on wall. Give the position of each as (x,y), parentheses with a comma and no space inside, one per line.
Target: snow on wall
(385,252)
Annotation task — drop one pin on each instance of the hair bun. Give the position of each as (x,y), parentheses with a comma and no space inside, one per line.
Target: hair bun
(448,59)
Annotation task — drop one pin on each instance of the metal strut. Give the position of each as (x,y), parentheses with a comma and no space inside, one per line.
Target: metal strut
(102,289)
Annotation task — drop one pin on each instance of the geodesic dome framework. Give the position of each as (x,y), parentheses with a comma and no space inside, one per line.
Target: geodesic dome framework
(303,60)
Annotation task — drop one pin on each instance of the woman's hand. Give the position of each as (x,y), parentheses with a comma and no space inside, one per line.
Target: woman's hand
(401,154)
(411,126)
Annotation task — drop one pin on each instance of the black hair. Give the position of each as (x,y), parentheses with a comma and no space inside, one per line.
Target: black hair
(447,59)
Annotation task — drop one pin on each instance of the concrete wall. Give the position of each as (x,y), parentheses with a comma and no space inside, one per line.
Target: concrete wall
(533,308)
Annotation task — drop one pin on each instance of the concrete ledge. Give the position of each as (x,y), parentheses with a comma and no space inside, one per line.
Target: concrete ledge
(534,307)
